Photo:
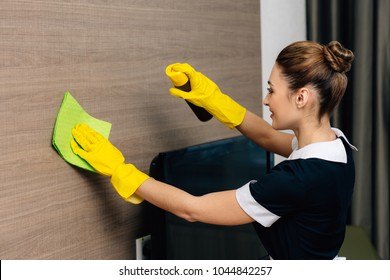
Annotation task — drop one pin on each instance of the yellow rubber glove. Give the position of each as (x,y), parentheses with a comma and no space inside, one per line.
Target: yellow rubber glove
(205,93)
(108,160)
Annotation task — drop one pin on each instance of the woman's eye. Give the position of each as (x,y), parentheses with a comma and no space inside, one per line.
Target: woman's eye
(269,90)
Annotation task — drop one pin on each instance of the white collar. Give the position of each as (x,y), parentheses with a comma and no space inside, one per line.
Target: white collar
(330,150)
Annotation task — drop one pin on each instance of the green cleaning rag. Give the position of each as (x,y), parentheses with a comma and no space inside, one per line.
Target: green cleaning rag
(70,114)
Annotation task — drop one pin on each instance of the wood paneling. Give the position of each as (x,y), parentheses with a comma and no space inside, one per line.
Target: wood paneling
(111,55)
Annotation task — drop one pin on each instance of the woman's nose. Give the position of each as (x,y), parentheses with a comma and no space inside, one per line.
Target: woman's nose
(265,101)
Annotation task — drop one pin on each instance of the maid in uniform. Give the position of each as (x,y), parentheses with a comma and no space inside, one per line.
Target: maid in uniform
(300,208)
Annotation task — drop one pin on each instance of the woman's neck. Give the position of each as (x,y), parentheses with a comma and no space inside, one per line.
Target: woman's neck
(309,132)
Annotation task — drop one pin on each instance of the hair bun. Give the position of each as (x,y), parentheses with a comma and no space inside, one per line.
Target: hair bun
(339,58)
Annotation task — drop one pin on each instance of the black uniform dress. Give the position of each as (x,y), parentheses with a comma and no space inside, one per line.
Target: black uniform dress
(301,206)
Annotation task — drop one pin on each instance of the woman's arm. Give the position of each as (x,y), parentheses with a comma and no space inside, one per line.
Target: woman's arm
(219,208)
(264,135)
(132,185)
(206,94)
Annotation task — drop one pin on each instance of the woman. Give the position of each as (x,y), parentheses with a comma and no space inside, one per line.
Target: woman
(300,208)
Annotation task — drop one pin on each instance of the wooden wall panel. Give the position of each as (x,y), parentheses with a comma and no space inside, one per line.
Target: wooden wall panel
(111,55)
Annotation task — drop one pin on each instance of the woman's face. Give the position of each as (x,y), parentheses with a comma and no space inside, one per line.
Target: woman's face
(280,101)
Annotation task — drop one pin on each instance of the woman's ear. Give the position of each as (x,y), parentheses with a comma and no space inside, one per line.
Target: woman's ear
(302,97)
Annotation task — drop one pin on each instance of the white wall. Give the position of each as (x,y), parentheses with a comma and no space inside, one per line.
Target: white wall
(282,22)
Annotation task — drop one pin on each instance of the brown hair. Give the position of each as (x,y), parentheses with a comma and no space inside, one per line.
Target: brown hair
(323,67)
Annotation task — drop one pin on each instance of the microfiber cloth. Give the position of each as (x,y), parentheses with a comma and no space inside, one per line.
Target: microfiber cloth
(70,114)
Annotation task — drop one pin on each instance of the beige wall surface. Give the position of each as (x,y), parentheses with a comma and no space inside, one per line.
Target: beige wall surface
(111,55)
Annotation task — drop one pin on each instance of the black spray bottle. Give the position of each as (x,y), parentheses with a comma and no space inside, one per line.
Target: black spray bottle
(181,81)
